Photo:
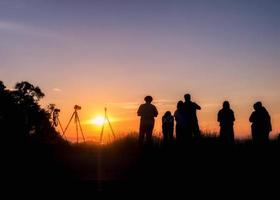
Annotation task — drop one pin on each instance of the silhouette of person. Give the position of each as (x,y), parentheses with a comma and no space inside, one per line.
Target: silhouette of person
(226,119)
(261,124)
(3,108)
(191,121)
(167,127)
(147,112)
(179,116)
(2,86)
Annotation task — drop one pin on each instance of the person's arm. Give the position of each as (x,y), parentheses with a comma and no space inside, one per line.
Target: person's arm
(233,117)
(197,106)
(251,119)
(219,116)
(175,115)
(139,112)
(155,112)
(269,121)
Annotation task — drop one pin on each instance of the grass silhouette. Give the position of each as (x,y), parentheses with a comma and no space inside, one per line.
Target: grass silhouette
(124,166)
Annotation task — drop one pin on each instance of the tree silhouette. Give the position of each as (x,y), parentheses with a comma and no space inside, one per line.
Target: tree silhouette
(21,116)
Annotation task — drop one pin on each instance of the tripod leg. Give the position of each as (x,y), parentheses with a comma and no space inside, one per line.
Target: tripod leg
(111,128)
(68,124)
(77,130)
(81,130)
(60,125)
(62,131)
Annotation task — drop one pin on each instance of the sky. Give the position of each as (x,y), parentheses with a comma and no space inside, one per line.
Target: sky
(113,53)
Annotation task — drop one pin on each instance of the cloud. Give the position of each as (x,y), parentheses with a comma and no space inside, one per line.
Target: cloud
(26,29)
(165,102)
(135,105)
(126,105)
(56,90)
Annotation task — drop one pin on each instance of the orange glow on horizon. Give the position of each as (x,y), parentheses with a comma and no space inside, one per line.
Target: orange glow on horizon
(123,117)
(125,121)
(98,120)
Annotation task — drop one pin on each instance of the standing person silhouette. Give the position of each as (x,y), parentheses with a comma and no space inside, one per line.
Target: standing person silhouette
(192,126)
(261,124)
(226,119)
(2,100)
(179,116)
(2,86)
(147,112)
(167,127)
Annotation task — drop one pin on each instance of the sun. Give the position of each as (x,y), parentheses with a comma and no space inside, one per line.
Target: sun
(98,120)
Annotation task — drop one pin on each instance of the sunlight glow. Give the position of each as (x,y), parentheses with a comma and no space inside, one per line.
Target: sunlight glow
(98,120)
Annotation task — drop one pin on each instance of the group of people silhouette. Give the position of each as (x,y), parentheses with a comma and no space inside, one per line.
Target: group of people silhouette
(187,126)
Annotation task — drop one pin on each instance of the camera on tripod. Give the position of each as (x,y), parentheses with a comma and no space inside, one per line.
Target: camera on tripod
(55,117)
(77,123)
(77,107)
(56,110)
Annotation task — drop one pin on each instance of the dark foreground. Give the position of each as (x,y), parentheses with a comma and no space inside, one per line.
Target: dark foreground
(200,167)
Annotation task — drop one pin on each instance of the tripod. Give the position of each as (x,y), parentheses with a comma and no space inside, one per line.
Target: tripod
(102,130)
(77,123)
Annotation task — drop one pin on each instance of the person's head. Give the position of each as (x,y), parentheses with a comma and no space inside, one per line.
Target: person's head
(226,105)
(167,114)
(187,97)
(258,105)
(180,105)
(148,99)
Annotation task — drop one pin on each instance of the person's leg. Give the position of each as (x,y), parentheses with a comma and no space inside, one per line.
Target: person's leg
(178,133)
(149,133)
(170,135)
(222,134)
(165,136)
(226,134)
(265,137)
(187,134)
(254,137)
(141,134)
(196,131)
(149,137)
(231,135)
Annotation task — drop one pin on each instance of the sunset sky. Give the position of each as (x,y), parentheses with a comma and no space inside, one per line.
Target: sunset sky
(113,53)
